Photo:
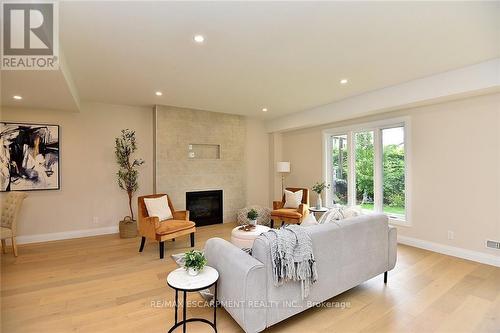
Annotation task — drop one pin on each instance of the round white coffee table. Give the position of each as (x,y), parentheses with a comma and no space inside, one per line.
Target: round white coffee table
(180,280)
(244,239)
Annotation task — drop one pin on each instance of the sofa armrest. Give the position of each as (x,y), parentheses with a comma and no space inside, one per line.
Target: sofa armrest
(393,247)
(278,205)
(181,215)
(242,283)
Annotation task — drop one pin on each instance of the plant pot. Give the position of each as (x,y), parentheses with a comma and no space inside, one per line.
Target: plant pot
(192,271)
(128,228)
(253,222)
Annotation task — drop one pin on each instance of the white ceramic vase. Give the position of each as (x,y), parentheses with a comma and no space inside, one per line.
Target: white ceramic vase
(319,203)
(192,271)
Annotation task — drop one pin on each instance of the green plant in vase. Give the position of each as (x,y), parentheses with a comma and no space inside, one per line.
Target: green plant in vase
(318,188)
(252,216)
(194,262)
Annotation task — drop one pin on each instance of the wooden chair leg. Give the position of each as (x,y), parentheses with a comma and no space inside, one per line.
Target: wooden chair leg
(143,241)
(192,239)
(162,249)
(4,246)
(14,246)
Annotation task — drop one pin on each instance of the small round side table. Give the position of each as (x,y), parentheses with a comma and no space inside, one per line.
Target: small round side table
(315,210)
(180,280)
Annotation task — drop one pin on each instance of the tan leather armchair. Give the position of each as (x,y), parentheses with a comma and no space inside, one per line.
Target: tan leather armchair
(11,207)
(290,215)
(152,228)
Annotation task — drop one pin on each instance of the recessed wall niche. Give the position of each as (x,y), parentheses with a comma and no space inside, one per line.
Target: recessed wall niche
(203,151)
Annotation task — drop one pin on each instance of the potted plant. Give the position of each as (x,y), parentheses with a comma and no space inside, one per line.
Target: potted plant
(125,147)
(318,188)
(194,262)
(252,216)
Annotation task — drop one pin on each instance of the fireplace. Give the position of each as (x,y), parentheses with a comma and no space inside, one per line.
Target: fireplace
(205,207)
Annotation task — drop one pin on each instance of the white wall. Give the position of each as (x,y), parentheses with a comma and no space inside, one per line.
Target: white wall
(257,163)
(455,169)
(88,183)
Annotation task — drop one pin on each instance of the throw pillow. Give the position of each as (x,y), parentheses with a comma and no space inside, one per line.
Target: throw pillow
(333,214)
(352,211)
(309,221)
(158,207)
(293,199)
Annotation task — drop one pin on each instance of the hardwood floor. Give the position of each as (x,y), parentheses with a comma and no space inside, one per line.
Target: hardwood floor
(102,284)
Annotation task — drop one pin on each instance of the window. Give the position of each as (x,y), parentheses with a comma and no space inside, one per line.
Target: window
(339,169)
(366,165)
(364,168)
(393,174)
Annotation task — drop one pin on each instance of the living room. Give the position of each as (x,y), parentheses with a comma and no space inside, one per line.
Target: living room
(377,142)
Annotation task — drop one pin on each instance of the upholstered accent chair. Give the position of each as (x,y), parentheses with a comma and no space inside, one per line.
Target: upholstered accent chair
(11,207)
(152,228)
(290,215)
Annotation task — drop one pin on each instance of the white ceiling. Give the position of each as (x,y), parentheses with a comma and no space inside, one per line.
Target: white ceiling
(40,89)
(286,56)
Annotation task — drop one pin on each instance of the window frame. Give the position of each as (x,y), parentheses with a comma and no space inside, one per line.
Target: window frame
(376,127)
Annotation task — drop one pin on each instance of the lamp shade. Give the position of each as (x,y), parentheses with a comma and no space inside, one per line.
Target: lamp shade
(283,167)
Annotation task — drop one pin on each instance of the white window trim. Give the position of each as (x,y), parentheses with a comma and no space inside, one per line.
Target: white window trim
(375,126)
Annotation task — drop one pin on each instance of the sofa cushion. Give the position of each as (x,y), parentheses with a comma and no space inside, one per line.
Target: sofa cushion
(286,212)
(352,211)
(170,226)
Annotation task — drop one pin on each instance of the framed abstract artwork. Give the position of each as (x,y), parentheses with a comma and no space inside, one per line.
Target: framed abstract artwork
(29,157)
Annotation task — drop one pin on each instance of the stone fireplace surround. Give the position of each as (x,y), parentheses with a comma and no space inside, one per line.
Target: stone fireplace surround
(177,173)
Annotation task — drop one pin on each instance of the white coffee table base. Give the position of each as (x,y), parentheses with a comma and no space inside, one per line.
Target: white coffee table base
(245,239)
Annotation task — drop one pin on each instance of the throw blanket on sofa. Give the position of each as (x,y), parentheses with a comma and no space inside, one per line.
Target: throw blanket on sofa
(292,256)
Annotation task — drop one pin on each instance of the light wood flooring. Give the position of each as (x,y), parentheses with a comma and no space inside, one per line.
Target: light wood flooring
(102,284)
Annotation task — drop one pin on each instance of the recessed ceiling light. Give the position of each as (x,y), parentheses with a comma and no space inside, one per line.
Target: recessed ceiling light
(158,93)
(17,97)
(343,81)
(264,109)
(199,38)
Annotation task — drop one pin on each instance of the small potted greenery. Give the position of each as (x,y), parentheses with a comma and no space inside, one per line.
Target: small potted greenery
(319,188)
(194,262)
(252,216)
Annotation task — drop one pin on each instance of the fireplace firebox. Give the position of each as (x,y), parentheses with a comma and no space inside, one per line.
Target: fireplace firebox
(205,207)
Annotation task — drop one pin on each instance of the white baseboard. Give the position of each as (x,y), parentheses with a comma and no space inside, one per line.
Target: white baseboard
(484,258)
(66,235)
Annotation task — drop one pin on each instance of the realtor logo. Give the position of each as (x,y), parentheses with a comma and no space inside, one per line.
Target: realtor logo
(30,36)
